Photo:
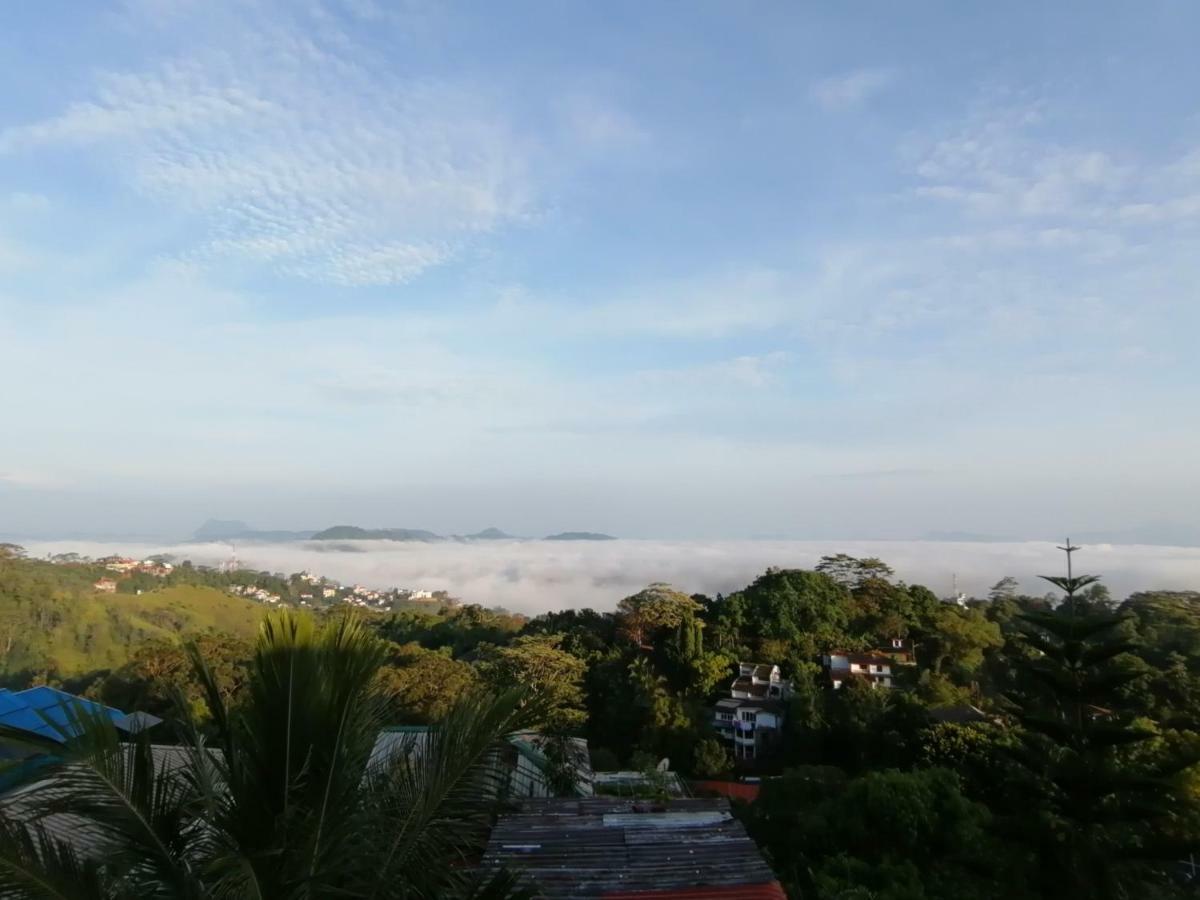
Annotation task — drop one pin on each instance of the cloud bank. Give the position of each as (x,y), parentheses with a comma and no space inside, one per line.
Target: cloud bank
(536,576)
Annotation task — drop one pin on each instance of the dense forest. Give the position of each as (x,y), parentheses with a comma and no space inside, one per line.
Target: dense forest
(1041,744)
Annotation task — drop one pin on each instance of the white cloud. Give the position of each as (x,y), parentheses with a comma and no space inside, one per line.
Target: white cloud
(25,203)
(1000,163)
(537,576)
(303,154)
(851,89)
(14,257)
(602,125)
(29,478)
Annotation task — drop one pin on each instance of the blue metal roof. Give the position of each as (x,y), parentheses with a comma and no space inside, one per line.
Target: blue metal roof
(47,711)
(9,701)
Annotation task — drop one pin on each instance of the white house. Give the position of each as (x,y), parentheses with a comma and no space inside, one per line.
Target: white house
(751,717)
(875,667)
(756,681)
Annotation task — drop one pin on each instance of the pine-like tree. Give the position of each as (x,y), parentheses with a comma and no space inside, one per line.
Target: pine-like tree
(1097,828)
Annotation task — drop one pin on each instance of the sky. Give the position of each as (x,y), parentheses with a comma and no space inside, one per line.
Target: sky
(668,270)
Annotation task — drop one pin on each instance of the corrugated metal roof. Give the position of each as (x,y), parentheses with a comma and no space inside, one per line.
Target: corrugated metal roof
(45,710)
(600,847)
(769,891)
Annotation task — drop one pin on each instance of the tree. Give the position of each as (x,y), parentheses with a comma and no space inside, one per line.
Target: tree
(726,621)
(586,633)
(881,610)
(809,610)
(540,665)
(711,758)
(850,572)
(424,684)
(665,723)
(889,835)
(288,801)
(957,642)
(161,672)
(656,608)
(1004,589)
(1091,820)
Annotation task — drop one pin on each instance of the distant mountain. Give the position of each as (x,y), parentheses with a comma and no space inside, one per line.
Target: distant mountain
(233,530)
(579,536)
(490,534)
(354,533)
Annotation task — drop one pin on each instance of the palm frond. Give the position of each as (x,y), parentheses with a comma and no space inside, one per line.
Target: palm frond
(444,795)
(37,865)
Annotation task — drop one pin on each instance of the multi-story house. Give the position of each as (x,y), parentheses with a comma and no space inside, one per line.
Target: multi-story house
(900,650)
(751,717)
(877,666)
(874,667)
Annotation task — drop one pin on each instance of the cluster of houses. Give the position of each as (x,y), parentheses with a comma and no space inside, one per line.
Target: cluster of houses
(750,719)
(313,589)
(123,565)
(253,592)
(360,595)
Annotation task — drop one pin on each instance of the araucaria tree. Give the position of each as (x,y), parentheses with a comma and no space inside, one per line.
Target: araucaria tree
(1097,825)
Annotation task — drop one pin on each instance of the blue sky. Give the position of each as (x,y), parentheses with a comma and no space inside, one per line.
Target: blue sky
(672,269)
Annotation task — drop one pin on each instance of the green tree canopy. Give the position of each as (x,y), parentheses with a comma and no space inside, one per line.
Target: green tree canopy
(656,608)
(890,835)
(1091,819)
(537,663)
(424,685)
(850,571)
(807,609)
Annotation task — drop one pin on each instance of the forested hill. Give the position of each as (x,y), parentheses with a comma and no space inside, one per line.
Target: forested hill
(54,623)
(948,767)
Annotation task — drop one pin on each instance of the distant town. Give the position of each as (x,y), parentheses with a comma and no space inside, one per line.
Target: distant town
(133,576)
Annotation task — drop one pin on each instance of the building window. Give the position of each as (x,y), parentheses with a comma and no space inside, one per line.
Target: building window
(897,643)
(749,717)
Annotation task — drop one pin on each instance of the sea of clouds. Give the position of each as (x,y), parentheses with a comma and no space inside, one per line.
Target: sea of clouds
(535,576)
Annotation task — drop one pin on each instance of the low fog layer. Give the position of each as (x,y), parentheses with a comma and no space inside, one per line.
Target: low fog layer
(534,576)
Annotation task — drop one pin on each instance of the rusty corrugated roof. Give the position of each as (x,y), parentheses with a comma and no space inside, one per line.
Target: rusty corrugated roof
(769,891)
(606,848)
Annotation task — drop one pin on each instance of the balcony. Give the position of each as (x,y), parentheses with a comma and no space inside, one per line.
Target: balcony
(745,739)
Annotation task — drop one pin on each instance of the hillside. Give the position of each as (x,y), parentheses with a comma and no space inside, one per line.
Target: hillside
(579,536)
(51,619)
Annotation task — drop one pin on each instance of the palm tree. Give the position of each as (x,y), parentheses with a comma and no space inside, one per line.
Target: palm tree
(290,799)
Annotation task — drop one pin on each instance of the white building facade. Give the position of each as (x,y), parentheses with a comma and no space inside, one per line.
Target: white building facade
(751,717)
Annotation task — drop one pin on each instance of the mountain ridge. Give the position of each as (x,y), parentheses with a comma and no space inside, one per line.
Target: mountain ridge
(237,530)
